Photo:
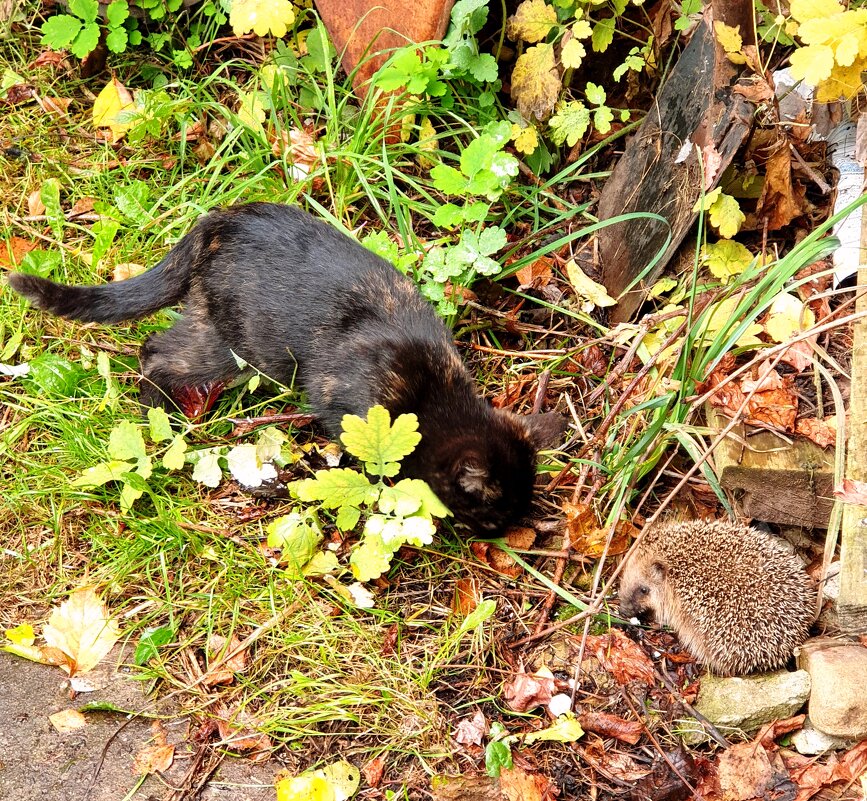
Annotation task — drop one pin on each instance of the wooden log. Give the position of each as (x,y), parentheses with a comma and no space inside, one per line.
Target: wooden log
(661,170)
(789,484)
(852,603)
(361,27)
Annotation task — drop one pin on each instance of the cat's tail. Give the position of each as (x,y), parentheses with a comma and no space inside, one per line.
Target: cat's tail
(161,286)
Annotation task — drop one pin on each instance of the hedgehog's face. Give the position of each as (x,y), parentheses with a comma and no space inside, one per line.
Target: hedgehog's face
(641,590)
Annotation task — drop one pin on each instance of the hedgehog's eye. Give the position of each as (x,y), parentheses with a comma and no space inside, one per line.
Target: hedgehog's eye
(644,590)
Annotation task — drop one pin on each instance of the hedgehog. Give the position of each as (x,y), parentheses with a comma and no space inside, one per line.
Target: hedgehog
(737,599)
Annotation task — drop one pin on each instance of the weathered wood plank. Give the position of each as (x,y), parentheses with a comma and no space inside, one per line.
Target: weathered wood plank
(661,171)
(852,604)
(774,481)
(378,26)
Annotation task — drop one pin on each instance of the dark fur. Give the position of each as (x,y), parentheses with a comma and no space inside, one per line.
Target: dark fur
(283,290)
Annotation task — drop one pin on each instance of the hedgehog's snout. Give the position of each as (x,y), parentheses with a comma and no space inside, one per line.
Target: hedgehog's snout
(636,604)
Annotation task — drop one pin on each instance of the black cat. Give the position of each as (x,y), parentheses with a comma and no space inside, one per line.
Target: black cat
(288,293)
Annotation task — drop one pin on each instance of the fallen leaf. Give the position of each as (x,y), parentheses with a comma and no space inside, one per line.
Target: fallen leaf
(468,593)
(536,274)
(47,58)
(621,657)
(588,538)
(56,105)
(852,491)
(14,250)
(67,720)
(607,725)
(122,272)
(301,149)
(780,202)
(517,784)
(787,317)
(35,206)
(471,731)
(84,205)
(81,629)
(590,292)
(218,647)
(754,88)
(237,729)
(800,354)
(746,772)
(525,691)
(373,770)
(816,430)
(817,776)
(110,105)
(153,759)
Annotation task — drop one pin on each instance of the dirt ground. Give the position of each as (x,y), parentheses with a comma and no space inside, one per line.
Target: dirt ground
(37,763)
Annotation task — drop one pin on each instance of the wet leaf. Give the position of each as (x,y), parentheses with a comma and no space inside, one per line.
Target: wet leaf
(81,629)
(525,691)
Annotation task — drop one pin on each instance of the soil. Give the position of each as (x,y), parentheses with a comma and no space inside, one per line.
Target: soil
(95,762)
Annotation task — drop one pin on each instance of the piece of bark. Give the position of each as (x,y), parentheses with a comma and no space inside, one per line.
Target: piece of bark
(661,170)
(774,481)
(362,27)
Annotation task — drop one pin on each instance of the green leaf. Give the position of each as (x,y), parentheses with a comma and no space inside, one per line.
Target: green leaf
(479,615)
(378,443)
(116,40)
(322,563)
(54,375)
(594,94)
(151,641)
(102,473)
(569,123)
(84,9)
(86,41)
(104,231)
(491,239)
(126,441)
(320,51)
(448,215)
(58,32)
(449,180)
(296,535)
(117,12)
(483,68)
(498,755)
(49,194)
(602,118)
(397,500)
(335,488)
(347,518)
(133,201)
(173,458)
(160,425)
(603,35)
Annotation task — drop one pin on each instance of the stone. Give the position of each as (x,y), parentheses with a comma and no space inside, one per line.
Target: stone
(838,701)
(809,741)
(749,702)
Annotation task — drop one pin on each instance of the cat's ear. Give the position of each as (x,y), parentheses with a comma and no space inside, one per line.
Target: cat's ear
(473,477)
(545,430)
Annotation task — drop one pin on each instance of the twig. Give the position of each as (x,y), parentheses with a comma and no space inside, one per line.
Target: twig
(541,389)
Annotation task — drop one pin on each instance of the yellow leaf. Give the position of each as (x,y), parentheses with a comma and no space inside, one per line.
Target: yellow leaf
(81,630)
(727,258)
(787,317)
(122,272)
(67,720)
(261,16)
(21,635)
(728,36)
(844,82)
(536,82)
(718,318)
(812,64)
(109,108)
(526,139)
(427,143)
(251,111)
(532,21)
(704,203)
(305,788)
(726,216)
(847,49)
(572,54)
(592,293)
(582,29)
(802,10)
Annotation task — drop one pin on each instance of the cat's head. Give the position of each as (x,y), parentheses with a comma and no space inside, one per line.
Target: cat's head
(486,476)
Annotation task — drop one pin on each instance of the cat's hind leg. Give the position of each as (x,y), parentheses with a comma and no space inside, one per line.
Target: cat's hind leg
(191,354)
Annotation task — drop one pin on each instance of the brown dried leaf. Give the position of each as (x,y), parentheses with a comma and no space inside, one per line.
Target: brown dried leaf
(237,730)
(218,647)
(777,728)
(851,491)
(755,89)
(373,770)
(47,58)
(18,93)
(536,274)
(780,202)
(35,206)
(816,430)
(746,772)
(83,205)
(621,657)
(518,784)
(606,725)
(471,731)
(122,272)
(14,251)
(67,720)
(56,105)
(526,691)
(153,759)
(468,593)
